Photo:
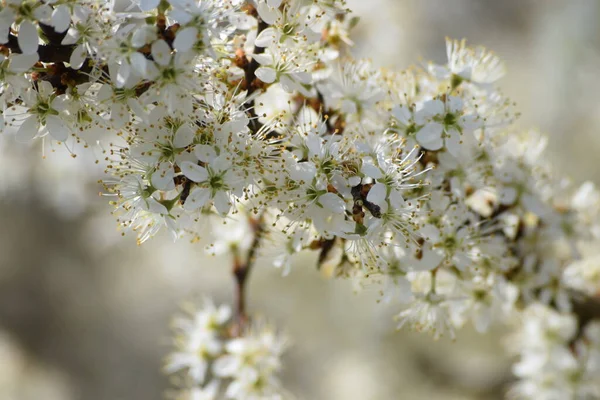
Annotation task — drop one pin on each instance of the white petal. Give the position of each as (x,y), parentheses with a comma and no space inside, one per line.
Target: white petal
(152,205)
(137,109)
(354,181)
(147,5)
(205,153)
(59,103)
(267,14)
(57,128)
(4,30)
(266,74)
(348,106)
(222,202)
(143,35)
(162,178)
(28,38)
(302,77)
(242,21)
(197,199)
(221,163)
(461,260)
(194,171)
(314,144)
(454,104)
(288,84)
(161,52)
(20,63)
(123,73)
(43,13)
(72,36)
(266,37)
(263,59)
(140,64)
(508,195)
(304,171)
(104,93)
(28,129)
(430,136)
(453,142)
(333,202)
(371,171)
(402,114)
(429,260)
(45,89)
(61,18)
(236,125)
(119,115)
(428,110)
(78,57)
(184,136)
(377,194)
(433,107)
(185,39)
(430,233)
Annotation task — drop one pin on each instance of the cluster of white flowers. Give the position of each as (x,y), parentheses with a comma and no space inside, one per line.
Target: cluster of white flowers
(212,110)
(214,363)
(558,360)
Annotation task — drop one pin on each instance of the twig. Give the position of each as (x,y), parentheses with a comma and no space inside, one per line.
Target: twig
(241,270)
(250,68)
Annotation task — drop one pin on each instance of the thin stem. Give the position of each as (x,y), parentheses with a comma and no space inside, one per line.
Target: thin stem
(241,270)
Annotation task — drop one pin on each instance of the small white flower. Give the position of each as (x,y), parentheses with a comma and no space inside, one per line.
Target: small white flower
(43,114)
(288,68)
(478,65)
(444,123)
(429,313)
(215,181)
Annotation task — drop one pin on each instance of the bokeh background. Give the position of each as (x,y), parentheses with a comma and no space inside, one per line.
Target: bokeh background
(84,313)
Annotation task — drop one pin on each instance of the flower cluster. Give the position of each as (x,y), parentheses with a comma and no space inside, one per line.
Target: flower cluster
(213,361)
(232,110)
(556,360)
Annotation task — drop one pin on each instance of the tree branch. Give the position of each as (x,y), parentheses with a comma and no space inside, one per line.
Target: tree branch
(586,309)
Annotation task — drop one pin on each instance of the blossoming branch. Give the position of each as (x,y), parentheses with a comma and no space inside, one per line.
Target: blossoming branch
(249,124)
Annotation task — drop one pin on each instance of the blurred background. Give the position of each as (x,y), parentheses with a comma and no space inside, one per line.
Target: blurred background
(84,313)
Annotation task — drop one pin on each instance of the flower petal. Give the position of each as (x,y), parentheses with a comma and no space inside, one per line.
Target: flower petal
(28,38)
(266,74)
(161,52)
(78,57)
(162,178)
(430,136)
(147,5)
(61,18)
(194,171)
(57,128)
(453,142)
(377,194)
(205,153)
(28,129)
(184,136)
(185,39)
(222,202)
(266,37)
(333,202)
(197,199)
(20,63)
